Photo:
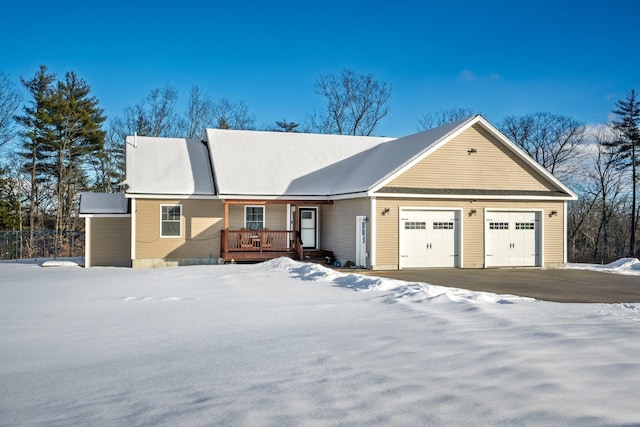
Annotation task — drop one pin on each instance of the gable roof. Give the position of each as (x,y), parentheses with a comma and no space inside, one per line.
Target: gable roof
(168,166)
(254,164)
(435,140)
(271,164)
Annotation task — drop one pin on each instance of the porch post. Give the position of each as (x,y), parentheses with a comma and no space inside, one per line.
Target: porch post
(226,216)
(296,228)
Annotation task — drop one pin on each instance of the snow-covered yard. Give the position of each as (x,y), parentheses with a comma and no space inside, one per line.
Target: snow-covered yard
(286,343)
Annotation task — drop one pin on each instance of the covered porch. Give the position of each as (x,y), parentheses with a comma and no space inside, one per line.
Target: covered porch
(257,242)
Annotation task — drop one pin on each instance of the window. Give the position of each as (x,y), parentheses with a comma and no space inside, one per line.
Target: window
(170,221)
(498,226)
(525,225)
(415,225)
(443,226)
(254,217)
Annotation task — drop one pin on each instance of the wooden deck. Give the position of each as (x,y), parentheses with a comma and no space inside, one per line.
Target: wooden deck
(259,245)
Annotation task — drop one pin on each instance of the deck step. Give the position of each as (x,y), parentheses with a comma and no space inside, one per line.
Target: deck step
(319,256)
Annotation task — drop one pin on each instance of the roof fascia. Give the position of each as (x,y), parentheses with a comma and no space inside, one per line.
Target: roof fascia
(470,196)
(170,196)
(105,215)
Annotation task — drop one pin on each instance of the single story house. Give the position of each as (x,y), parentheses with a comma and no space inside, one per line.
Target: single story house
(460,195)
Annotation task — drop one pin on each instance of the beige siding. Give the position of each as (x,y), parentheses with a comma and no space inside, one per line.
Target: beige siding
(110,241)
(338,227)
(202,221)
(472,227)
(275,216)
(492,167)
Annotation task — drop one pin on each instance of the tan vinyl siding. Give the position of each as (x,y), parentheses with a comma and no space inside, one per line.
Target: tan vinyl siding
(338,227)
(472,227)
(202,221)
(275,216)
(492,167)
(110,241)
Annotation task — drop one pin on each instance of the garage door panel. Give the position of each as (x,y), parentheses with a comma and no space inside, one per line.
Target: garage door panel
(512,239)
(429,238)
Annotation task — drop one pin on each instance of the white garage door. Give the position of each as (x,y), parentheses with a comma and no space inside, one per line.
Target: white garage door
(429,238)
(512,239)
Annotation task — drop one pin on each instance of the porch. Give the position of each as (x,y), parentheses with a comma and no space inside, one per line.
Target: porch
(261,245)
(260,239)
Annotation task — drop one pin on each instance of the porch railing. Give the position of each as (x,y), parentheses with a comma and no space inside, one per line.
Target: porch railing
(259,241)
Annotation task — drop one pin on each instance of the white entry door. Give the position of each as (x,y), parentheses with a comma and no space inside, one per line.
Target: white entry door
(308,227)
(513,239)
(429,238)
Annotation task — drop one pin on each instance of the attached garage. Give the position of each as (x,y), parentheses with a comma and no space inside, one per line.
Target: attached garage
(513,238)
(430,238)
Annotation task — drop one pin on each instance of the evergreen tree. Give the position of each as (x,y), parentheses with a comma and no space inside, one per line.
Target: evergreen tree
(285,126)
(626,124)
(76,139)
(36,122)
(9,204)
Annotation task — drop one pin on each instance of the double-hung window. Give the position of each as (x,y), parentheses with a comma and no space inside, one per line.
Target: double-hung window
(254,217)
(170,220)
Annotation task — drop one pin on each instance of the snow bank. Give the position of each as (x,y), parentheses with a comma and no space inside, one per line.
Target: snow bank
(399,290)
(627,266)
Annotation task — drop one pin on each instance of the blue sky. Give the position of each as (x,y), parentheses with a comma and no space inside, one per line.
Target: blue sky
(500,57)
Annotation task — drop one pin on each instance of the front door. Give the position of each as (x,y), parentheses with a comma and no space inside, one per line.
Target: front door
(308,227)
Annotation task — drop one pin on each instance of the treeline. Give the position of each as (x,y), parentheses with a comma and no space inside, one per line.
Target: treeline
(58,143)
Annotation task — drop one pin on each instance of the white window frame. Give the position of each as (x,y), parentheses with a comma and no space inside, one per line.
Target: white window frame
(179,206)
(264,215)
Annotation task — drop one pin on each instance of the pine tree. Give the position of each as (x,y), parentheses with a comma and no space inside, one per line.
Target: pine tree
(627,143)
(36,122)
(77,137)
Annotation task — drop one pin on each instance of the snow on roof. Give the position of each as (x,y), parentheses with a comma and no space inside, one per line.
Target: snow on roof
(278,163)
(103,203)
(168,166)
(364,170)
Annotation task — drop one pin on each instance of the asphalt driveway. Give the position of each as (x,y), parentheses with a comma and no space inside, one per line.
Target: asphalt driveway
(557,285)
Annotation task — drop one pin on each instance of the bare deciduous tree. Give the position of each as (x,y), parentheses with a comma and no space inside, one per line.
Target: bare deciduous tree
(552,140)
(355,103)
(9,102)
(442,117)
(154,116)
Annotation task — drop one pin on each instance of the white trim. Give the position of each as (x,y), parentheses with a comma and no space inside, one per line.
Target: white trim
(105,215)
(565,233)
(540,235)
(289,218)
(469,196)
(173,205)
(459,243)
(87,242)
(264,214)
(134,213)
(373,224)
(171,196)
